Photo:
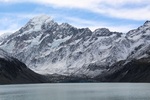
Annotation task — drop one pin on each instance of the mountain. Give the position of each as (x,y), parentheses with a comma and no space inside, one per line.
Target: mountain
(136,70)
(51,48)
(13,71)
(47,47)
(4,36)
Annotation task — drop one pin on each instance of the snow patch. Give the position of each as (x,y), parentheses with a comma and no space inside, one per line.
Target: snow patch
(57,42)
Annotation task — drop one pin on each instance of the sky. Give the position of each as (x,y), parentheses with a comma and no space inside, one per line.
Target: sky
(116,15)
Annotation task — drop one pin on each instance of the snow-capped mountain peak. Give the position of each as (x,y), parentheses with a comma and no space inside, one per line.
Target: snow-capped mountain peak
(147,23)
(36,23)
(102,32)
(40,19)
(47,47)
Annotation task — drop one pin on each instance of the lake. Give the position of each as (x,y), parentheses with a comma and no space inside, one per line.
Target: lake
(76,91)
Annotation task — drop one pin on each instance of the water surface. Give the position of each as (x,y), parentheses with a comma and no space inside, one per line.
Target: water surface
(76,91)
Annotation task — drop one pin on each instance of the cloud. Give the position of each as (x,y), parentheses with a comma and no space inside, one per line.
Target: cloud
(109,8)
(82,23)
(8,25)
(11,22)
(133,10)
(124,9)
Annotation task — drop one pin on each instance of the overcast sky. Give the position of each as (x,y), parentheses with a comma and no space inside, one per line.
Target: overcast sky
(117,15)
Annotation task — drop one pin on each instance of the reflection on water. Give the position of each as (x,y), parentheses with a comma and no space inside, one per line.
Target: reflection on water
(78,91)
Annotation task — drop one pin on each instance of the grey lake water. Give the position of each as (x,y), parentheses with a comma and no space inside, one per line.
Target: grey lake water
(76,91)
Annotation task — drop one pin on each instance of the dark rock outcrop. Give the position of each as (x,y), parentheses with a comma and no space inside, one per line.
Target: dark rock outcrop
(132,71)
(12,71)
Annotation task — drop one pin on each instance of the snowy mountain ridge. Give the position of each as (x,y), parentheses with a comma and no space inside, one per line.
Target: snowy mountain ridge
(51,48)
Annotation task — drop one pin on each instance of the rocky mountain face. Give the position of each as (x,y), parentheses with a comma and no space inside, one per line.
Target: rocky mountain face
(4,36)
(136,70)
(13,71)
(51,48)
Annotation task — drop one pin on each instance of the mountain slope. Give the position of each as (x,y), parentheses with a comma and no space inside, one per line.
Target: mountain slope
(47,47)
(13,71)
(51,48)
(133,71)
